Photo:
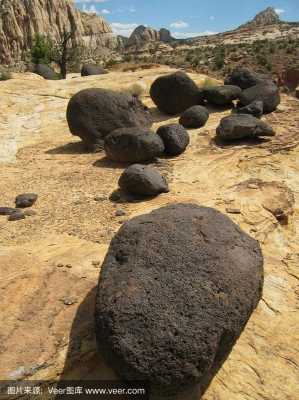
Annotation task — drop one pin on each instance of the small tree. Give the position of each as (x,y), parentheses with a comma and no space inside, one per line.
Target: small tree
(41,49)
(64,53)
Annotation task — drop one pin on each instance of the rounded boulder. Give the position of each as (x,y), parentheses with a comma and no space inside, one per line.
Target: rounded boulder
(92,69)
(195,117)
(143,180)
(245,78)
(222,95)
(94,113)
(46,72)
(266,92)
(133,145)
(256,108)
(241,126)
(174,93)
(177,288)
(175,138)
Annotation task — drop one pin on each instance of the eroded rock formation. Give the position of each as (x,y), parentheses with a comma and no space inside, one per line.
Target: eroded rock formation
(21,20)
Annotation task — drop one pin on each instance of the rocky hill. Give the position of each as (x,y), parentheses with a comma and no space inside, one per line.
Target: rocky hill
(20,20)
(142,35)
(265,17)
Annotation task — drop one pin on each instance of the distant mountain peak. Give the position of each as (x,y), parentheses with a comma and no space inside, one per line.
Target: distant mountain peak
(266,17)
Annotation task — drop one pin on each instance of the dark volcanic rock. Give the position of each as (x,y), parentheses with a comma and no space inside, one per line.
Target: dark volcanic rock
(16,216)
(256,108)
(174,93)
(7,210)
(143,180)
(133,145)
(177,288)
(239,126)
(266,92)
(175,138)
(195,117)
(46,72)
(244,78)
(25,200)
(94,113)
(222,95)
(91,69)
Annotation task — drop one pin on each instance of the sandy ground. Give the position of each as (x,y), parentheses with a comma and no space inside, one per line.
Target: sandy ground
(50,262)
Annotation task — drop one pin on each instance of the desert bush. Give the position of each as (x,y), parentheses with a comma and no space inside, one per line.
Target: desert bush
(41,50)
(5,75)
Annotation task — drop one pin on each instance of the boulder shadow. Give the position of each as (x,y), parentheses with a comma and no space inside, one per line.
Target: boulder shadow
(118,196)
(105,162)
(83,362)
(70,148)
(158,116)
(246,142)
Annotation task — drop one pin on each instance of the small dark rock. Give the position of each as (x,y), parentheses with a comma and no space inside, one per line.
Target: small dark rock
(175,138)
(133,145)
(176,290)
(16,216)
(195,117)
(92,114)
(222,95)
(256,108)
(7,210)
(244,78)
(91,69)
(143,180)
(240,126)
(25,200)
(174,93)
(120,213)
(266,92)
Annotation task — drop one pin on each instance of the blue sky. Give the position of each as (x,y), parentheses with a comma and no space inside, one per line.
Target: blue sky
(185,18)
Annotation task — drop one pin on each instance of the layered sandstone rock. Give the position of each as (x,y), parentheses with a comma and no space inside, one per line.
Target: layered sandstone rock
(21,20)
(142,35)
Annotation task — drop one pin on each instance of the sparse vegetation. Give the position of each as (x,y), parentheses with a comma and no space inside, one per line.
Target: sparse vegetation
(5,75)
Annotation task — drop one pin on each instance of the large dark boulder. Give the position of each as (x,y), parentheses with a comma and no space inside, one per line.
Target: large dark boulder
(240,126)
(245,78)
(143,180)
(94,113)
(256,108)
(175,138)
(174,93)
(46,72)
(133,145)
(222,95)
(91,69)
(177,288)
(195,117)
(266,92)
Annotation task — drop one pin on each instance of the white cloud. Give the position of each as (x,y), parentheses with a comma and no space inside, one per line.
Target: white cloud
(279,11)
(212,18)
(132,9)
(123,29)
(105,11)
(90,9)
(179,24)
(185,35)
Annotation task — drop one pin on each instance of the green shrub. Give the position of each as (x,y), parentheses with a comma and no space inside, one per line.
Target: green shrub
(41,50)
(5,75)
